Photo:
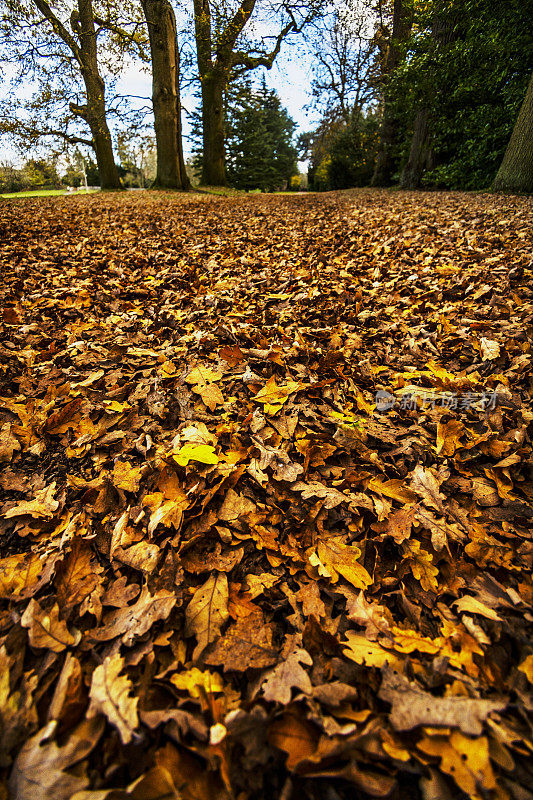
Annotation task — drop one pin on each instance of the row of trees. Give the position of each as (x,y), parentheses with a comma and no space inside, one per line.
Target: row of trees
(77,51)
(416,92)
(424,94)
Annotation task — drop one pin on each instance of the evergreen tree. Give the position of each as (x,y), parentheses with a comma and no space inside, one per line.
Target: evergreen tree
(260,153)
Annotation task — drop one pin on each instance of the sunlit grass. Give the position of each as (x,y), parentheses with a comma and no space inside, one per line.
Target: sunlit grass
(41,193)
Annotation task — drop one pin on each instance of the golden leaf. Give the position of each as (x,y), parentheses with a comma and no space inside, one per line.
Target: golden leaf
(204,453)
(110,695)
(207,611)
(194,680)
(371,654)
(465,759)
(421,563)
(336,558)
(46,630)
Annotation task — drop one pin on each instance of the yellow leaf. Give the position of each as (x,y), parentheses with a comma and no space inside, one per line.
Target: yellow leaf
(18,574)
(407,641)
(371,654)
(200,375)
(465,759)
(273,396)
(110,695)
(43,505)
(126,476)
(527,668)
(194,680)
(338,558)
(204,453)
(421,565)
(448,436)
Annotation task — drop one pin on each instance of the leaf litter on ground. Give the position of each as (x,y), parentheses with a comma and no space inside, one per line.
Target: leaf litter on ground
(227,571)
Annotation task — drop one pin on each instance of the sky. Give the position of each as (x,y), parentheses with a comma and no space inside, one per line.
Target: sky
(290,76)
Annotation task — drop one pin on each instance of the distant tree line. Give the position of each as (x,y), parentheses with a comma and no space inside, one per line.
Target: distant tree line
(416,93)
(442,98)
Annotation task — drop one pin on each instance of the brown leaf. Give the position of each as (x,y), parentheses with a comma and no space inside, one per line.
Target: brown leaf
(46,630)
(412,707)
(110,695)
(207,612)
(39,770)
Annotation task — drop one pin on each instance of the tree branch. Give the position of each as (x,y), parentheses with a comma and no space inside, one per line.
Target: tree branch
(247,62)
(59,29)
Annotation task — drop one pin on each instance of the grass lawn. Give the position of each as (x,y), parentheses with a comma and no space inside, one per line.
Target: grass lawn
(40,193)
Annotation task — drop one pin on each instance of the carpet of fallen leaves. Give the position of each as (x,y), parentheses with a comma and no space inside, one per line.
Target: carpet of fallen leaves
(225,573)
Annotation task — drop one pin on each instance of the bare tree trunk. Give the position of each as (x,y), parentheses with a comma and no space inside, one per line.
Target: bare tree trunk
(161,23)
(516,170)
(385,161)
(420,155)
(213,166)
(94,112)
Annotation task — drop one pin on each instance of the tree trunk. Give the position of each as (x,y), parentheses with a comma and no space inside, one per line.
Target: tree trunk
(161,24)
(213,165)
(386,162)
(95,112)
(444,31)
(516,170)
(420,155)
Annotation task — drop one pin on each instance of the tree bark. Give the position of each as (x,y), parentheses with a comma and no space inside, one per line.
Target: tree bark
(161,22)
(215,65)
(516,170)
(213,165)
(386,162)
(420,155)
(85,53)
(94,112)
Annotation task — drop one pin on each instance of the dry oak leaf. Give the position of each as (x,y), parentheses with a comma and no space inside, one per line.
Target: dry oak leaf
(527,668)
(18,711)
(19,575)
(126,476)
(8,443)
(133,621)
(207,612)
(246,645)
(297,737)
(43,505)
(371,654)
(78,577)
(332,497)
(421,563)
(194,681)
(448,437)
(142,556)
(39,769)
(110,695)
(288,675)
(398,525)
(412,707)
(426,486)
(235,506)
(472,605)
(46,630)
(334,558)
(465,759)
(273,396)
